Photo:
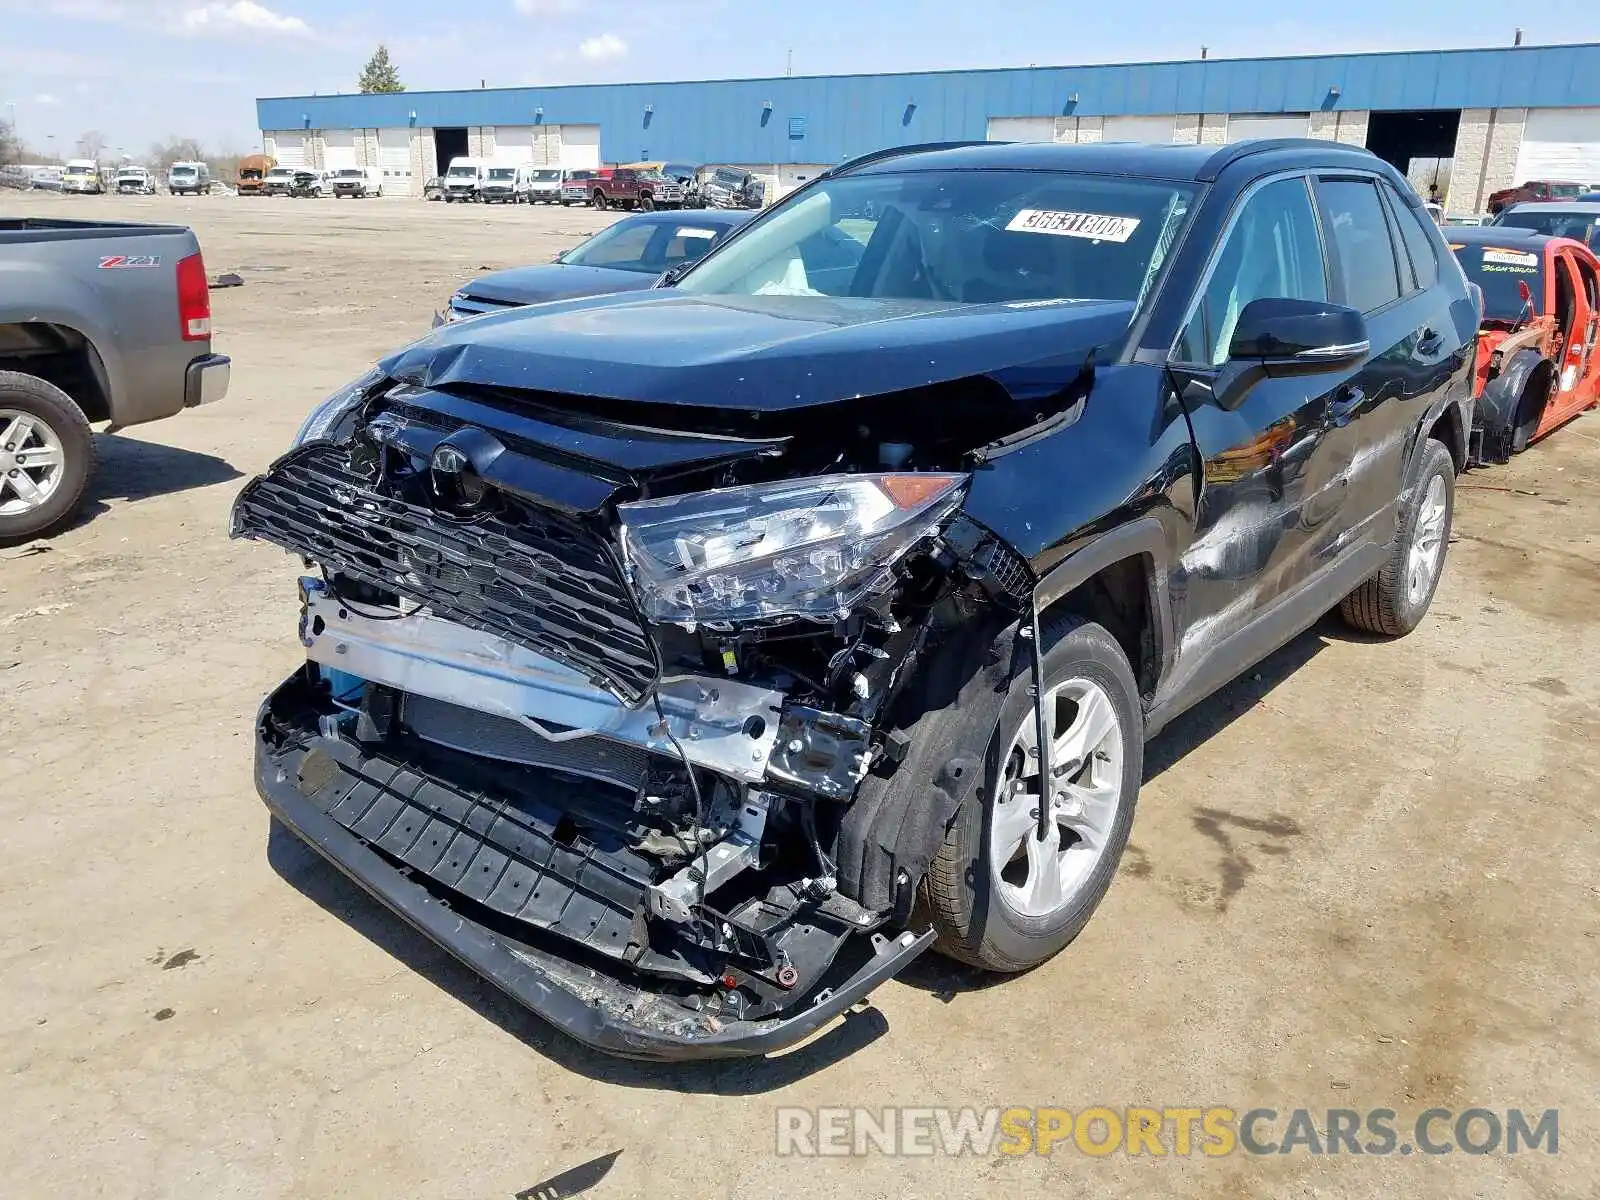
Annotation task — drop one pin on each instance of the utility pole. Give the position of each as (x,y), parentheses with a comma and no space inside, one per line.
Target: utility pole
(789,69)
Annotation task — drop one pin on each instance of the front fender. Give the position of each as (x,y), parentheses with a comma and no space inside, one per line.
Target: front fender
(1496,413)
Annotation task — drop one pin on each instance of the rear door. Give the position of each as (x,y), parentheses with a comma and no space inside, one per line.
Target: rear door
(1575,389)
(1388,266)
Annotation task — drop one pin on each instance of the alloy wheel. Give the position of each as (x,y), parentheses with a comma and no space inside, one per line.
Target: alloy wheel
(1427,542)
(1038,877)
(32,462)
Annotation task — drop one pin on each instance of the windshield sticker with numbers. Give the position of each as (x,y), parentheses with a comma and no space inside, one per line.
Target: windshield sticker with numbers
(1097,226)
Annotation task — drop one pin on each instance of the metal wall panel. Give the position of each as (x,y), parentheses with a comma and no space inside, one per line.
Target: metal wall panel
(731,121)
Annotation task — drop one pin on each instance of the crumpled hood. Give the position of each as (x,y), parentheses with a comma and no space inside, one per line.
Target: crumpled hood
(763,353)
(555,281)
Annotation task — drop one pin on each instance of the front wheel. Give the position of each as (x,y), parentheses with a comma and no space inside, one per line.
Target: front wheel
(1001,897)
(1394,601)
(647,204)
(46,457)
(599,201)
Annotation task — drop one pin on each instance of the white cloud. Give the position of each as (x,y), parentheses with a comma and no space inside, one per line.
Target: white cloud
(46,100)
(546,8)
(603,46)
(242,16)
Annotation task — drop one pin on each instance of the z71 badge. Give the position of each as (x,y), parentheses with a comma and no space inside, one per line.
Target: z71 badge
(122,262)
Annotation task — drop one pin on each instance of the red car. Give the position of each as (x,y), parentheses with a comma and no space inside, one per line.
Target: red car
(1537,189)
(1537,365)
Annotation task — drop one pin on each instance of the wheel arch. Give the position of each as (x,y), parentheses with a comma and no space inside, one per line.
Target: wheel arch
(1498,406)
(1120,580)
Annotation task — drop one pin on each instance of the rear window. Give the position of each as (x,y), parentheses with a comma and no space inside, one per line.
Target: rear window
(1566,191)
(1498,270)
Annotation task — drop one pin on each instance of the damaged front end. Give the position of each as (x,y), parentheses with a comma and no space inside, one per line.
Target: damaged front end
(591,703)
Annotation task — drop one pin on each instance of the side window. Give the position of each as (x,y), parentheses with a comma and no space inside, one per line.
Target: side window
(1272,251)
(1419,246)
(1361,240)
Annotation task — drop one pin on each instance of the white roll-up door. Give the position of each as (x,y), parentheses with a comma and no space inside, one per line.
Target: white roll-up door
(289,149)
(1022,129)
(513,145)
(580,146)
(339,149)
(1560,144)
(1158,130)
(394,157)
(1268,125)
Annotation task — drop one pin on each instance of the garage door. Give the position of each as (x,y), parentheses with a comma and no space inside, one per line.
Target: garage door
(513,144)
(1560,143)
(1138,129)
(289,149)
(1022,129)
(394,157)
(1268,125)
(339,149)
(580,146)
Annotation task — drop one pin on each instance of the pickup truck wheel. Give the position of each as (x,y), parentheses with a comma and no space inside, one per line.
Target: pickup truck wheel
(647,204)
(1394,601)
(599,200)
(46,457)
(1000,897)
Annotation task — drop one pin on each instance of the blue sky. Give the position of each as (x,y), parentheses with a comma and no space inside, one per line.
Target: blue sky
(139,70)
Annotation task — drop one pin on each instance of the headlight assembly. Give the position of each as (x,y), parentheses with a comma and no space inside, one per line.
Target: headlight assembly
(326,418)
(800,548)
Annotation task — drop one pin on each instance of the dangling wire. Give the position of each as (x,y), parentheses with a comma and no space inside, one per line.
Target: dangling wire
(694,789)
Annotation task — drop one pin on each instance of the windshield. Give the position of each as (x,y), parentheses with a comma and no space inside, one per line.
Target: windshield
(579,176)
(1566,191)
(644,247)
(183,170)
(1499,271)
(547,176)
(1568,223)
(463,172)
(967,237)
(280,171)
(350,173)
(502,172)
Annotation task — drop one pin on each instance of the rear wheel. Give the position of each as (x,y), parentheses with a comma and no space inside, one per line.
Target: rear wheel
(1002,897)
(46,457)
(1394,601)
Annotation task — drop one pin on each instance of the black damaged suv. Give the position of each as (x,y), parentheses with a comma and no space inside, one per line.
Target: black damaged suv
(689,661)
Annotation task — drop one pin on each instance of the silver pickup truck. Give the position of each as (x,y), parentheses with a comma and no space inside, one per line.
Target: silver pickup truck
(99,321)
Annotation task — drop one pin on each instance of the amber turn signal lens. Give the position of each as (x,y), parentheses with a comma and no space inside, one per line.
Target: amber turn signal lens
(913,491)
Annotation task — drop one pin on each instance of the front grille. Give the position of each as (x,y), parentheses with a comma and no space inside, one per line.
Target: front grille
(474,732)
(475,306)
(526,573)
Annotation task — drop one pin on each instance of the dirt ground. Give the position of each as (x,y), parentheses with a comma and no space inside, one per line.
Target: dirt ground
(1363,876)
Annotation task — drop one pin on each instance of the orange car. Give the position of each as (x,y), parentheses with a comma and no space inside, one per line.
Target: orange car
(1537,364)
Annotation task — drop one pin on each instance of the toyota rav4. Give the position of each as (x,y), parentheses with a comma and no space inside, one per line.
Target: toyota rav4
(688,661)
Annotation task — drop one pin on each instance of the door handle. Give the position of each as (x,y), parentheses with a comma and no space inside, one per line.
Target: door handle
(1429,342)
(1345,404)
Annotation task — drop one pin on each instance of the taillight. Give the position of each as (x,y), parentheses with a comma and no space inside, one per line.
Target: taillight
(194,299)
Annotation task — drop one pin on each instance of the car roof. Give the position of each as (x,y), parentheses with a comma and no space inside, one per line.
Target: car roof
(1554,206)
(1499,235)
(1197,163)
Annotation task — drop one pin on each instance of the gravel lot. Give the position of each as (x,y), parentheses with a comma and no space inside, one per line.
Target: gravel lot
(1363,876)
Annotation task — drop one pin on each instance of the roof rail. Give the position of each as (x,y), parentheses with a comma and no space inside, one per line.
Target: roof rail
(862,160)
(1234,151)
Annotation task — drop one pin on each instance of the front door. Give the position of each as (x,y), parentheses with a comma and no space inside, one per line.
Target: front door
(1575,389)
(1270,495)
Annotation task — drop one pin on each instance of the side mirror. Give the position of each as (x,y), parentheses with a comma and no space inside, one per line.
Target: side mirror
(1278,337)
(560,254)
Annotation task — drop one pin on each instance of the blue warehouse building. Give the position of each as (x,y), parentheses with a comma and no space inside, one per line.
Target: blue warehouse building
(1466,121)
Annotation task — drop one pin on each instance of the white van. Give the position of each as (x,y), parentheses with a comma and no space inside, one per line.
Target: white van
(188,178)
(357,182)
(465,179)
(543,186)
(502,184)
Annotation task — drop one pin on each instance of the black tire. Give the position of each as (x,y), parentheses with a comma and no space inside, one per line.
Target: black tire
(647,204)
(1530,407)
(1385,604)
(974,924)
(599,200)
(52,407)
